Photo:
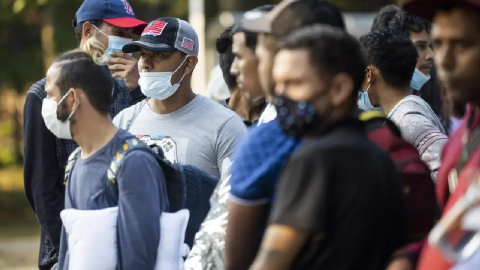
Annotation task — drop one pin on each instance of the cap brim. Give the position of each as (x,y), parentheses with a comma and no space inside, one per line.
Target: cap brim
(426,8)
(154,47)
(258,25)
(128,22)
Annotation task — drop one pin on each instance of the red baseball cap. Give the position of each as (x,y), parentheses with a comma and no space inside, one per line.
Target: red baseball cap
(426,8)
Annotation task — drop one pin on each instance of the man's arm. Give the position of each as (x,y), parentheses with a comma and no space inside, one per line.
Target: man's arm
(280,246)
(142,199)
(426,137)
(244,234)
(43,184)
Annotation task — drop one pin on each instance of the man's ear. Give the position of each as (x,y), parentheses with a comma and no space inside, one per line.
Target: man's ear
(190,64)
(371,71)
(342,88)
(87,30)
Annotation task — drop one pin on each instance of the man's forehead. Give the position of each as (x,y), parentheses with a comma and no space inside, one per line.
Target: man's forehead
(238,38)
(292,62)
(458,21)
(53,72)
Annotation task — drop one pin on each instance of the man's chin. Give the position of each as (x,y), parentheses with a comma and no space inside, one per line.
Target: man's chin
(426,71)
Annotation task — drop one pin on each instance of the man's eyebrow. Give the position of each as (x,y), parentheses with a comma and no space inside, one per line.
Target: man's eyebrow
(420,42)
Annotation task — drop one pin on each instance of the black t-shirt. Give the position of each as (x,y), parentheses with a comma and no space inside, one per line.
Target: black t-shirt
(347,193)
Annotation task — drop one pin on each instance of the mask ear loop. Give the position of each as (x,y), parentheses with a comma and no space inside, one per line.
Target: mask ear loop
(368,88)
(100,31)
(183,62)
(76,106)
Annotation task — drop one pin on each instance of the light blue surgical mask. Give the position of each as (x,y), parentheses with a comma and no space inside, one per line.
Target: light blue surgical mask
(115,44)
(364,100)
(419,80)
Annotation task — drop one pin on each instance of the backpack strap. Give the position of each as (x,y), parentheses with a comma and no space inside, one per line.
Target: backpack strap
(378,119)
(174,179)
(71,163)
(136,112)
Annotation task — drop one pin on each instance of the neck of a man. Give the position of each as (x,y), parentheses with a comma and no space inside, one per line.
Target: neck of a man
(390,97)
(93,132)
(180,99)
(254,110)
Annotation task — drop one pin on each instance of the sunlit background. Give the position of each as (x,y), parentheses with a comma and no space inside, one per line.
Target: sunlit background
(32,32)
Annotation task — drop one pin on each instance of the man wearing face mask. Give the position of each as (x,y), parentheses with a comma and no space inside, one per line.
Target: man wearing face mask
(424,81)
(261,156)
(45,156)
(340,204)
(192,129)
(78,98)
(391,61)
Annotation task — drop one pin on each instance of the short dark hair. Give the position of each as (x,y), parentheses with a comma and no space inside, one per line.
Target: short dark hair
(78,29)
(251,37)
(449,6)
(86,69)
(226,57)
(332,51)
(384,16)
(407,23)
(393,54)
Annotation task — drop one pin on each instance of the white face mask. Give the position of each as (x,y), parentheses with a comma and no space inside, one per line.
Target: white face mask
(61,129)
(115,44)
(158,85)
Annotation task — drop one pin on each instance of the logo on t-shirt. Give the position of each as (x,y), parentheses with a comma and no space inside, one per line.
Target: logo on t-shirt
(167,144)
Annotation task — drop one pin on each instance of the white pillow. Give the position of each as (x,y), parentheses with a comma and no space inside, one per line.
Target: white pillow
(87,243)
(172,247)
(91,236)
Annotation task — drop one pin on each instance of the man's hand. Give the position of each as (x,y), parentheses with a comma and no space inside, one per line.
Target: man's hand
(125,67)
(401,264)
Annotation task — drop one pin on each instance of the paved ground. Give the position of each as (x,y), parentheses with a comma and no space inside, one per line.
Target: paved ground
(19,253)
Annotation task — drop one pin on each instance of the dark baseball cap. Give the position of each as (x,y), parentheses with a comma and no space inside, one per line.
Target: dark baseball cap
(292,14)
(166,35)
(427,8)
(115,12)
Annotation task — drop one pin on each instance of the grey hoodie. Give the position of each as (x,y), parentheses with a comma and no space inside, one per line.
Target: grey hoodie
(421,127)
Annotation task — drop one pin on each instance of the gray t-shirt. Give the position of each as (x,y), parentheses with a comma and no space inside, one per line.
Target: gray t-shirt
(421,127)
(202,133)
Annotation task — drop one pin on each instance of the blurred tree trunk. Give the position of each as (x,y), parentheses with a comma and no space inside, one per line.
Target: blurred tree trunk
(47,32)
(17,133)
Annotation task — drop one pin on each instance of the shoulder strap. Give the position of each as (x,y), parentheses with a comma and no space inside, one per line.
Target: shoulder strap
(377,119)
(174,178)
(71,163)
(136,112)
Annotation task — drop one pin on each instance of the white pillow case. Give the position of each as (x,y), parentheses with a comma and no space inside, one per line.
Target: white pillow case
(95,247)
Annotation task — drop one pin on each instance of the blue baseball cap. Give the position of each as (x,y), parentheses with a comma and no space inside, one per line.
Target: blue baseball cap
(115,12)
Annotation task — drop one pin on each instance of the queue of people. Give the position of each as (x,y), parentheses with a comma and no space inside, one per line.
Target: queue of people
(331,153)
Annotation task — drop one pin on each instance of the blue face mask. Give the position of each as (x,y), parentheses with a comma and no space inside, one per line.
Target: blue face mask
(364,101)
(419,80)
(115,44)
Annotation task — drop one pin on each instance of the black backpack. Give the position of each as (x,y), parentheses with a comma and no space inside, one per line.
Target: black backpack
(187,186)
